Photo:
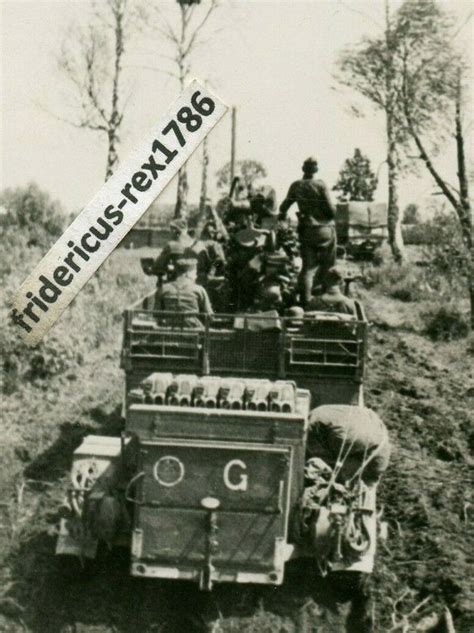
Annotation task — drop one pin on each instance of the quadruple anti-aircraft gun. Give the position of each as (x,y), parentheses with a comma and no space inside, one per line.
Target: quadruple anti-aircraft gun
(246,443)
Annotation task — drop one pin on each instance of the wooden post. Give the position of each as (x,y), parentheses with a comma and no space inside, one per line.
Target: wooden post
(232,145)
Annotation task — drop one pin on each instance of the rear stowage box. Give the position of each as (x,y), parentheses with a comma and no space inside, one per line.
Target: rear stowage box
(214,492)
(211,511)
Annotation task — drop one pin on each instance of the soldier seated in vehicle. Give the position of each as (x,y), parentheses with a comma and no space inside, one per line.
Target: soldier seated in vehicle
(174,249)
(268,297)
(332,299)
(184,296)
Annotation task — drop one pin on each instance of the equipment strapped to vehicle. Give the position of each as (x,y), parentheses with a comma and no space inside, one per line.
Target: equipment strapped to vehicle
(354,440)
(336,520)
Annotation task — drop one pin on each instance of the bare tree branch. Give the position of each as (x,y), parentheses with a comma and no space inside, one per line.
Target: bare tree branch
(92,61)
(184,38)
(199,27)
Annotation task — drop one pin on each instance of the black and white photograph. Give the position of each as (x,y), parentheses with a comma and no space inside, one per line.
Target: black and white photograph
(237,293)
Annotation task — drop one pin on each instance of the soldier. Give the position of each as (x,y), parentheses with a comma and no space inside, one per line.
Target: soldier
(316,226)
(175,248)
(184,295)
(263,207)
(236,208)
(209,253)
(332,299)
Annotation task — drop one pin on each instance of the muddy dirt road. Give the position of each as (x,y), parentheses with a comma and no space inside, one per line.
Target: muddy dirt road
(425,394)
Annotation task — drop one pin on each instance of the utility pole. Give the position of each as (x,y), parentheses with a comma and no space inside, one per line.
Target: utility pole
(232,145)
(205,164)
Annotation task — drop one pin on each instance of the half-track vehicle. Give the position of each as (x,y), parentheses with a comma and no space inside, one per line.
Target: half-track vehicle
(238,450)
(361,228)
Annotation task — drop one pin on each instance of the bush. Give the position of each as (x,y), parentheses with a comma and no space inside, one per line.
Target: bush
(93,318)
(403,282)
(415,234)
(446,253)
(445,323)
(32,214)
(411,214)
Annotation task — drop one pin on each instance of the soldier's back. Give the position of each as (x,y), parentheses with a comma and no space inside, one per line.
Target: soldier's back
(311,198)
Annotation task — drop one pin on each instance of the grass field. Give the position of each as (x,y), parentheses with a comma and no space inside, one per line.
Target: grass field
(72,385)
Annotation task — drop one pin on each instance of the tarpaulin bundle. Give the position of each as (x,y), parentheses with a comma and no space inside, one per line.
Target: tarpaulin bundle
(354,436)
(362,214)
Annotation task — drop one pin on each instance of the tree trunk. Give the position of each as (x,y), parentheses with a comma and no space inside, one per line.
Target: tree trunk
(181,208)
(464,210)
(470,280)
(115,118)
(112,156)
(395,238)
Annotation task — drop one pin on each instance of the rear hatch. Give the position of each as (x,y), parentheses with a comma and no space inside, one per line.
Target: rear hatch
(209,510)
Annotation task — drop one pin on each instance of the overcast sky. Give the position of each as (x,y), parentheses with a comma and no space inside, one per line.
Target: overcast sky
(272,59)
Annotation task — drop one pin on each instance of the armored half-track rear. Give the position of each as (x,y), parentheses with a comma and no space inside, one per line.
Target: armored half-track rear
(212,479)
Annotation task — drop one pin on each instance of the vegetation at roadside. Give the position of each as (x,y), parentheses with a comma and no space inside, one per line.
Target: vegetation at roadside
(34,222)
(436,277)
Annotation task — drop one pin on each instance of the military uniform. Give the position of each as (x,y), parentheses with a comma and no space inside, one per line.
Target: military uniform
(316,226)
(165,263)
(210,258)
(183,296)
(332,299)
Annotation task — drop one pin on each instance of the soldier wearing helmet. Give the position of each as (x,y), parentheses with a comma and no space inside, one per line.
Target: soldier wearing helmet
(180,241)
(316,226)
(332,299)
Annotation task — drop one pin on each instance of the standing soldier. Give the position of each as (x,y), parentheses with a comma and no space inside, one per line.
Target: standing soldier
(316,227)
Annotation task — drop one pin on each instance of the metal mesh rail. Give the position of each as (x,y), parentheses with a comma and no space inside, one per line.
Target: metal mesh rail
(252,345)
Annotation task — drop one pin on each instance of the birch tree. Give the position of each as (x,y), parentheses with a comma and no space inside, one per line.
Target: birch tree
(370,68)
(91,60)
(433,99)
(183,28)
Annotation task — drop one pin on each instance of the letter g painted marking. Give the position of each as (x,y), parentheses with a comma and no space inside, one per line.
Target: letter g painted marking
(242,483)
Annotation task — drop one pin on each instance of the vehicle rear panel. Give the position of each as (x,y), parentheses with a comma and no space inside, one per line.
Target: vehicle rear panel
(212,509)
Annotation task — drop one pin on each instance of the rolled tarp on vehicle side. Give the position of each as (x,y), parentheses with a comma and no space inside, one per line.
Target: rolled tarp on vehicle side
(355,436)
